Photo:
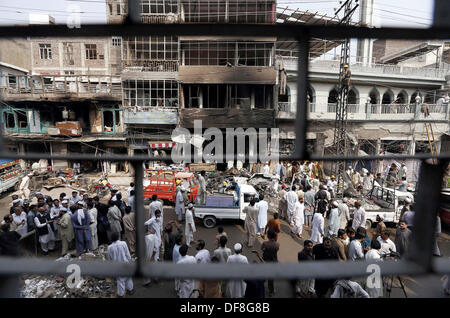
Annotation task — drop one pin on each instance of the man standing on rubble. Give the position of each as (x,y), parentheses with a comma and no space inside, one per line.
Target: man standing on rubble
(23,188)
(343,213)
(262,207)
(291,200)
(118,251)
(202,188)
(251,219)
(282,204)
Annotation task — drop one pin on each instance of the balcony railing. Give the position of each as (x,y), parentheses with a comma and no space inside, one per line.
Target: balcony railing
(150,66)
(290,63)
(157,18)
(406,108)
(82,86)
(351,108)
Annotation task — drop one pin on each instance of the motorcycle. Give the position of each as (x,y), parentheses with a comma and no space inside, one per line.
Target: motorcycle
(102,187)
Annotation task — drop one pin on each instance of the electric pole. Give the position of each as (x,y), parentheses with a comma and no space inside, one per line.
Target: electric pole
(340,132)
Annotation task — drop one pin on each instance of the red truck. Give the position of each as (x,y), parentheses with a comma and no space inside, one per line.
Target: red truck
(163,184)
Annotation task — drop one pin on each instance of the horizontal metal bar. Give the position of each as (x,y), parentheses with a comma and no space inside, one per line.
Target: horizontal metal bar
(218,29)
(135,158)
(441,265)
(163,270)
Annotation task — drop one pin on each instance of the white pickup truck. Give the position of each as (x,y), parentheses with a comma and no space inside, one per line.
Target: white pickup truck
(387,203)
(221,206)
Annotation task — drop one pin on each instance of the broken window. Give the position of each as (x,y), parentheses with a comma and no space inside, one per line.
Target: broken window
(22,119)
(231,11)
(91,51)
(162,93)
(45,51)
(108,121)
(159,6)
(230,53)
(155,53)
(9,120)
(116,40)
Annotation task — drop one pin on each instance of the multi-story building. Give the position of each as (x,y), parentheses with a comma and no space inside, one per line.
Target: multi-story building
(67,100)
(171,81)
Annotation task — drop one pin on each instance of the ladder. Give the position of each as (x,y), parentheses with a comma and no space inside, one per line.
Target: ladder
(431,140)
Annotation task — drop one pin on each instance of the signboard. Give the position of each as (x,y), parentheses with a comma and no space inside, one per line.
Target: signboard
(161,118)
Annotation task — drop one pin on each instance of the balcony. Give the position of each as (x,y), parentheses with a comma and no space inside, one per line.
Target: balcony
(332,66)
(374,112)
(159,18)
(149,66)
(43,87)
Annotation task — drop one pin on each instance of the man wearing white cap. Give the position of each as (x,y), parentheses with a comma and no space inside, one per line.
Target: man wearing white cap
(179,204)
(298,217)
(189,229)
(74,198)
(343,213)
(236,288)
(23,188)
(333,220)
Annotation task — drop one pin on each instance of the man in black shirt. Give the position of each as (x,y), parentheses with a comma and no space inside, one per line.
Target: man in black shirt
(324,251)
(270,250)
(9,241)
(102,221)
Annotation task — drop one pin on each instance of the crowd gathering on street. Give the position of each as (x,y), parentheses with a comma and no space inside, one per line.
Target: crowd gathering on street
(306,198)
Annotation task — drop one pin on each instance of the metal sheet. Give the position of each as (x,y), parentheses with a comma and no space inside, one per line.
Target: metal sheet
(145,118)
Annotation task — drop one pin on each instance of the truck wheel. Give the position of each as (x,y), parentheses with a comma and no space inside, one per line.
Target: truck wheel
(209,221)
(368,224)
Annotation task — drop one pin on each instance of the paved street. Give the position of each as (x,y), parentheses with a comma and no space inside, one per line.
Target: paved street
(427,286)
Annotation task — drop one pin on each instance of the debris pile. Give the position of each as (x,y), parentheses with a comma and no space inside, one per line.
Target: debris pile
(56,286)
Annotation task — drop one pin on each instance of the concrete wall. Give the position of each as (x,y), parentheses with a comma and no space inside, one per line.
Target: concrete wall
(12,52)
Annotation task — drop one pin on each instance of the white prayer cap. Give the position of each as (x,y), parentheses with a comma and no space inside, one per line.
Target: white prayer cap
(237,246)
(183,189)
(66,198)
(344,200)
(407,200)
(83,190)
(74,191)
(64,201)
(16,201)
(190,205)
(381,217)
(335,204)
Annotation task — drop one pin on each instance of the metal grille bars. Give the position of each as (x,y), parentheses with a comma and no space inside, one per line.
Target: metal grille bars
(418,262)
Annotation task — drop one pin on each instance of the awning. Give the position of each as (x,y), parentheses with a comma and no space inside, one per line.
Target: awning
(161,144)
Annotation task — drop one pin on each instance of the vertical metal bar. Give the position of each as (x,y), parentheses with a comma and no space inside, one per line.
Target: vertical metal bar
(420,249)
(302,84)
(9,286)
(140,215)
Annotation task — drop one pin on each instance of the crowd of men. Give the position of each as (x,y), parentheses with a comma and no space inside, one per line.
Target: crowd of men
(86,223)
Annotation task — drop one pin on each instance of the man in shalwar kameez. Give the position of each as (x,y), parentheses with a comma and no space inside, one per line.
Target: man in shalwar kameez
(130,229)
(262,207)
(291,199)
(82,230)
(189,229)
(155,224)
(179,204)
(185,285)
(236,288)
(118,251)
(298,217)
(201,188)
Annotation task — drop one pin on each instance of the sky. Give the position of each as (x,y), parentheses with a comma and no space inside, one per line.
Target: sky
(405,13)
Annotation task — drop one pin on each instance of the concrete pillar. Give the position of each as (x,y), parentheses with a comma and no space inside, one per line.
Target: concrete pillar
(412,148)
(130,166)
(320,144)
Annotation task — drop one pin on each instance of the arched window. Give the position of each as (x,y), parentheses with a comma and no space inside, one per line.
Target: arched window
(311,95)
(388,97)
(374,96)
(413,97)
(430,98)
(402,98)
(333,96)
(353,96)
